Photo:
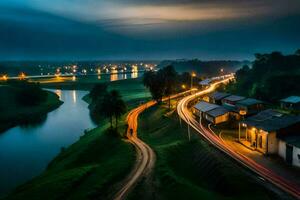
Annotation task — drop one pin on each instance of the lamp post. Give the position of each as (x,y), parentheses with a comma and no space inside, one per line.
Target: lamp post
(192,75)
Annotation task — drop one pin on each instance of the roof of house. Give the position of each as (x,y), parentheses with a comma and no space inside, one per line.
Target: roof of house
(248,102)
(231,108)
(234,98)
(293,140)
(270,120)
(291,99)
(217,111)
(205,82)
(218,95)
(204,106)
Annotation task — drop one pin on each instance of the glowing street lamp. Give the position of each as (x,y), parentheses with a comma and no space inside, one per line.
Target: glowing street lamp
(183,86)
(192,75)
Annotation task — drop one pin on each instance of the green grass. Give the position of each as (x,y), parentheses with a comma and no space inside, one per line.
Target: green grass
(189,170)
(87,169)
(12,113)
(91,168)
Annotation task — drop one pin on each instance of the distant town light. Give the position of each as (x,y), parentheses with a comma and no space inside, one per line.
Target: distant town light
(4,77)
(194,74)
(22,76)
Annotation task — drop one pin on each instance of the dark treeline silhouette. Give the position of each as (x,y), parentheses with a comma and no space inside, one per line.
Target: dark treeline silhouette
(272,77)
(108,104)
(28,94)
(166,82)
(204,68)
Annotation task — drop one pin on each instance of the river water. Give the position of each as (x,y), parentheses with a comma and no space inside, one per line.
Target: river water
(26,151)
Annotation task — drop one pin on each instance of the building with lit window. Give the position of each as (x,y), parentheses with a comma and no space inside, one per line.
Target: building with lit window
(264,130)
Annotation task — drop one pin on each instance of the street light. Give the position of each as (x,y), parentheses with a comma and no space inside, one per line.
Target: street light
(192,75)
(183,86)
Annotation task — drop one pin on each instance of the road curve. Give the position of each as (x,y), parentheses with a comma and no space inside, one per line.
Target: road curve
(267,174)
(145,155)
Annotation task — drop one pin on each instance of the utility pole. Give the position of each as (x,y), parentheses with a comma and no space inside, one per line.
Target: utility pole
(239,131)
(189,131)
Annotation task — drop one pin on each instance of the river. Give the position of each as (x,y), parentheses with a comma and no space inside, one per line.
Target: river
(26,151)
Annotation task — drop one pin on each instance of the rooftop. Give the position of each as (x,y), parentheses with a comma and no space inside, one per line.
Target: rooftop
(217,111)
(204,106)
(205,82)
(291,99)
(218,95)
(292,140)
(249,102)
(234,98)
(270,120)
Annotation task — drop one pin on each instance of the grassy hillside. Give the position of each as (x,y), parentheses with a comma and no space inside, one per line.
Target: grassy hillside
(190,170)
(91,168)
(13,113)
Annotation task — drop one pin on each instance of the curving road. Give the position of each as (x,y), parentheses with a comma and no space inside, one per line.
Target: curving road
(267,174)
(145,155)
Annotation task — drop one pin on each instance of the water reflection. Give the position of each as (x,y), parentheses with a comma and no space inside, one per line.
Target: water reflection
(74,96)
(134,74)
(113,77)
(58,92)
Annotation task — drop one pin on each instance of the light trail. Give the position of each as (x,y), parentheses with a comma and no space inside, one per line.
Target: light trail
(267,174)
(145,155)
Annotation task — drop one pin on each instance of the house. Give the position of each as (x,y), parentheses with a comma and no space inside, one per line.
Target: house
(290,103)
(205,82)
(232,100)
(217,115)
(216,97)
(211,112)
(264,129)
(289,149)
(249,106)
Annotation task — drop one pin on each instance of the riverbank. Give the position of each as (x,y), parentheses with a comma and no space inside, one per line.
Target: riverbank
(190,170)
(92,167)
(13,113)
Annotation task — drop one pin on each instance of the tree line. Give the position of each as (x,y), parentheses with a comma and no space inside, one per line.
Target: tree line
(272,77)
(166,81)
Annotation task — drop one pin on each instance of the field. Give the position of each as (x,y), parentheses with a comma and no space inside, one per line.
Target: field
(93,167)
(190,170)
(12,113)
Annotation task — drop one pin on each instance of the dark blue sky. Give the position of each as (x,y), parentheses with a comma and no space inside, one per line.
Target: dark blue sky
(144,29)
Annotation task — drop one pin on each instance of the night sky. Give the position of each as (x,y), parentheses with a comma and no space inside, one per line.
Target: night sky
(147,29)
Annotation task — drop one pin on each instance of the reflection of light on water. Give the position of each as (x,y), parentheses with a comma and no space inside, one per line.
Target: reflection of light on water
(134,74)
(73,78)
(58,92)
(74,96)
(125,76)
(113,77)
(99,77)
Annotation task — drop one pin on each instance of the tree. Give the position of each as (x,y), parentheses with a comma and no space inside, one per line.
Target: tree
(169,77)
(111,106)
(98,91)
(119,106)
(155,84)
